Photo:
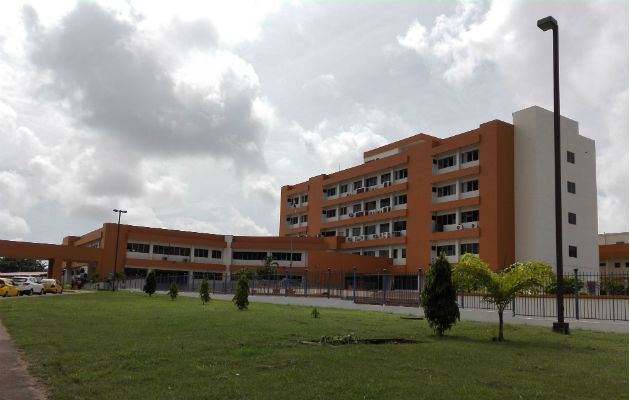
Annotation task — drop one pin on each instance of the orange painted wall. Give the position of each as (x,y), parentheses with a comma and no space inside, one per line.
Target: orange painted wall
(619,250)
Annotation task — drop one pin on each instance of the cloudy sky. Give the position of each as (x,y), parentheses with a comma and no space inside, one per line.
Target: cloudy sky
(192,117)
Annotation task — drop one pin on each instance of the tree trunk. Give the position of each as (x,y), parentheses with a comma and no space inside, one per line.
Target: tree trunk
(500,338)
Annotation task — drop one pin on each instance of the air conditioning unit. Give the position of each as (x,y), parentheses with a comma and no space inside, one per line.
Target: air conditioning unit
(387,183)
(459,227)
(350,215)
(385,234)
(375,236)
(349,239)
(358,238)
(359,214)
(473,225)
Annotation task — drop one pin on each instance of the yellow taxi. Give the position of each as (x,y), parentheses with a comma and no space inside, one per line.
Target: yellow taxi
(8,288)
(51,286)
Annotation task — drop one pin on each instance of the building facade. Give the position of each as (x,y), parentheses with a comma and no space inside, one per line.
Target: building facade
(613,253)
(484,192)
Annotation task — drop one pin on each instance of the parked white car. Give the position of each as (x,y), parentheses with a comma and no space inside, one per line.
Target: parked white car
(28,285)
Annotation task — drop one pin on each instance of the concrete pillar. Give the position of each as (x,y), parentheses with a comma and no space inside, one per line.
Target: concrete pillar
(191,275)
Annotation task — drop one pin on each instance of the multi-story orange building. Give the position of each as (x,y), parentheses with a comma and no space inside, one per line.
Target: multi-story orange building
(414,198)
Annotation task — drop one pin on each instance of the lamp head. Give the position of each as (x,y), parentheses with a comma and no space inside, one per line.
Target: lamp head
(547,23)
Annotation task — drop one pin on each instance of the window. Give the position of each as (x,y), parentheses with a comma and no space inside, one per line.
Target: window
(385,202)
(371,182)
(448,219)
(395,253)
(370,205)
(304,198)
(401,199)
(602,264)
(304,218)
(447,162)
(138,247)
(286,256)
(357,185)
(356,231)
(293,220)
(369,229)
(472,248)
(470,216)
(329,233)
(618,265)
(343,210)
(470,186)
(626,264)
(384,227)
(356,208)
(370,253)
(383,253)
(571,187)
(573,251)
(572,218)
(216,253)
(469,156)
(201,253)
(400,174)
(400,225)
(448,249)
(331,213)
(571,157)
(403,252)
(343,189)
(331,191)
(386,177)
(447,190)
(171,251)
(249,255)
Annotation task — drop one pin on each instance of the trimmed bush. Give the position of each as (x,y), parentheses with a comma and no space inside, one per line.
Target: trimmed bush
(204,291)
(150,283)
(173,291)
(241,298)
(439,297)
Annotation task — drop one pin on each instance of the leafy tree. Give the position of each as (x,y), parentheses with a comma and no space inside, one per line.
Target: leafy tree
(9,264)
(150,283)
(241,298)
(120,276)
(501,287)
(243,272)
(439,297)
(173,291)
(204,291)
(269,268)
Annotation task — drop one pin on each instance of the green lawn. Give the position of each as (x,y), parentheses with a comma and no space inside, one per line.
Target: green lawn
(130,346)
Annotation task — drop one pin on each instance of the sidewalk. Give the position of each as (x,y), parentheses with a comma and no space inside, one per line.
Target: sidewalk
(15,381)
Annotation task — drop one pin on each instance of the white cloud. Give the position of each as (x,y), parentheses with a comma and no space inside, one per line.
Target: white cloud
(11,224)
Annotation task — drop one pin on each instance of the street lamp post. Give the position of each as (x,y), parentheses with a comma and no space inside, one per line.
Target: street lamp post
(291,252)
(116,252)
(545,24)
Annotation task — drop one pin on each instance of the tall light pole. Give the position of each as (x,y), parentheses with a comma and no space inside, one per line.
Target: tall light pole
(116,253)
(545,24)
(291,252)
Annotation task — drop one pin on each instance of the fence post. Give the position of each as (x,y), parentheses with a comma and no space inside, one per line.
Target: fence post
(342,284)
(419,286)
(214,283)
(577,296)
(306,282)
(384,286)
(328,283)
(514,306)
(354,284)
(286,283)
(461,297)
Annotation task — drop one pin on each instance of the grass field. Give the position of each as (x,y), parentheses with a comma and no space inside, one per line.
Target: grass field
(130,346)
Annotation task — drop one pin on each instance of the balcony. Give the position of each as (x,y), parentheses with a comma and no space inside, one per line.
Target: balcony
(375,236)
(454,227)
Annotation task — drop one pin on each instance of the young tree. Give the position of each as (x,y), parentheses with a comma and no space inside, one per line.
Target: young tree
(150,283)
(173,291)
(439,297)
(204,291)
(241,298)
(501,287)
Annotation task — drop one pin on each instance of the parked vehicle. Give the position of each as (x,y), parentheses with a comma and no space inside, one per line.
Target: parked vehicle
(28,285)
(52,286)
(8,288)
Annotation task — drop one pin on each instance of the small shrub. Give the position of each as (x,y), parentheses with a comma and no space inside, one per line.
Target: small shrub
(150,283)
(315,313)
(204,291)
(350,338)
(241,298)
(173,291)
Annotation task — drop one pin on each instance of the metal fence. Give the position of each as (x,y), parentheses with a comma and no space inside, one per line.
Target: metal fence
(587,296)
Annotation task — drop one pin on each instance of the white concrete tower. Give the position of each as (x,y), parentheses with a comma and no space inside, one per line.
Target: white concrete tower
(534,204)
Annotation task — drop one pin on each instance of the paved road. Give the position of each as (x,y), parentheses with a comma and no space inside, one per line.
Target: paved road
(15,381)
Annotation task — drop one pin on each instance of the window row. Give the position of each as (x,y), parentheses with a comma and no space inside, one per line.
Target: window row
(449,249)
(451,161)
(261,255)
(384,253)
(450,219)
(451,189)
(367,207)
(367,183)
